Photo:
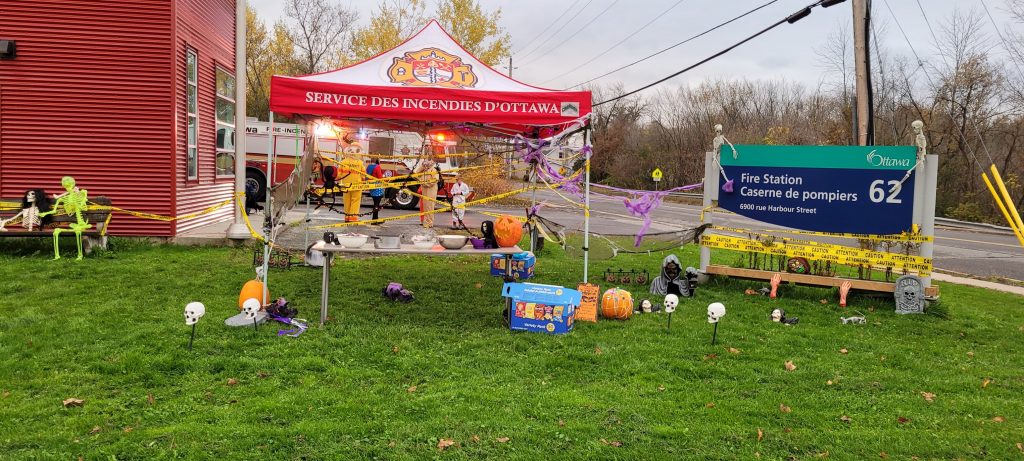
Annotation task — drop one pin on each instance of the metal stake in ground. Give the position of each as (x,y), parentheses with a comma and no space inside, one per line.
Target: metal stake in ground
(190,338)
(714,334)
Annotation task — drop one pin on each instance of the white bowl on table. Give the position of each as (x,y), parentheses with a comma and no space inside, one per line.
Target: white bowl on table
(423,242)
(352,240)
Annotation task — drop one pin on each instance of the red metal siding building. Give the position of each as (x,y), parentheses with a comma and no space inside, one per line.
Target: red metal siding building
(99,91)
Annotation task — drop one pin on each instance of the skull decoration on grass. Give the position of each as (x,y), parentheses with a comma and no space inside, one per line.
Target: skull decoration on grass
(715,312)
(193,312)
(645,306)
(250,307)
(778,315)
(671,302)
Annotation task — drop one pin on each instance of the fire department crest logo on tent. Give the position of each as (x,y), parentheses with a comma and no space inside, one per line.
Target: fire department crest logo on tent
(432,67)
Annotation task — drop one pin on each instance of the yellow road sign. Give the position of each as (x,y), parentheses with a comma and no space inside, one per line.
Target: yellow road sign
(656,174)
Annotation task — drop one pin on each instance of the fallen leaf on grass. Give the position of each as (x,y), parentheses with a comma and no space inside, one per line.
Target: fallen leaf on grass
(845,419)
(232,382)
(985,383)
(871,309)
(411,389)
(262,374)
(829,382)
(95,430)
(597,350)
(999,419)
(928,396)
(788,430)
(502,439)
(150,399)
(73,402)
(790,366)
(970,354)
(883,455)
(1020,446)
(882,358)
(614,443)
(561,423)
(902,420)
(711,356)
(733,350)
(6,394)
(661,387)
(128,429)
(750,292)
(783,408)
(760,434)
(709,405)
(476,438)
(823,454)
(394,349)
(823,301)
(844,351)
(445,443)
(478,285)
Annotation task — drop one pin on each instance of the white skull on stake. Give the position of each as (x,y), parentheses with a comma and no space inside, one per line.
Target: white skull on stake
(671,302)
(193,312)
(250,307)
(715,312)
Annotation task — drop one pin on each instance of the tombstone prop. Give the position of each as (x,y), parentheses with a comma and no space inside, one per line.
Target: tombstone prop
(909,295)
(193,312)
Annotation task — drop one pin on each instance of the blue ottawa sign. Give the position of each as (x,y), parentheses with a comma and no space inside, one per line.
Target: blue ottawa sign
(839,189)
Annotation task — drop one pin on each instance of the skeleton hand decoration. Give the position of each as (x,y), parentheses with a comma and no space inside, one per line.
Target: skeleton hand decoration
(671,302)
(715,312)
(193,312)
(251,307)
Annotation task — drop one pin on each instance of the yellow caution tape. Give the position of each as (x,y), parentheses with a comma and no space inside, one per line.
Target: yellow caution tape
(822,252)
(904,237)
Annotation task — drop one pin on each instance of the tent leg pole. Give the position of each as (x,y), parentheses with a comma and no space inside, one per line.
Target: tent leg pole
(586,206)
(268,214)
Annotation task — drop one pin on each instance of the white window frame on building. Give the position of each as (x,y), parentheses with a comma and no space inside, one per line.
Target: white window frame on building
(191,114)
(224,90)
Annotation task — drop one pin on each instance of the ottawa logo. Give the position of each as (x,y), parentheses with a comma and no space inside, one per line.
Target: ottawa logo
(432,67)
(876,159)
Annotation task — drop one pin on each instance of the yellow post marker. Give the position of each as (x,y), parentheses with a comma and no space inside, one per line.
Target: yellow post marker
(656,175)
(1007,199)
(1016,230)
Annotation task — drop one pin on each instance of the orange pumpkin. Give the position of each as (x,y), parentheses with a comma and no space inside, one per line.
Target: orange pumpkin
(617,304)
(508,231)
(252,289)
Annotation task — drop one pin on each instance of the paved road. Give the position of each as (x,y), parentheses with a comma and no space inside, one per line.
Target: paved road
(974,251)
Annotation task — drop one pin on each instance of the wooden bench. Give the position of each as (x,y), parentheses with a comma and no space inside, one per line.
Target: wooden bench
(94,237)
(812,280)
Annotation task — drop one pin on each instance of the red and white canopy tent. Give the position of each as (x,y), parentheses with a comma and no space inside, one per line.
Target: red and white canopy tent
(430,80)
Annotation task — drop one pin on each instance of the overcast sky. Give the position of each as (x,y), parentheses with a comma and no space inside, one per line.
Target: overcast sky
(785,52)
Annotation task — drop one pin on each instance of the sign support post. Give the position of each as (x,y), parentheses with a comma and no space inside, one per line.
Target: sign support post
(710,197)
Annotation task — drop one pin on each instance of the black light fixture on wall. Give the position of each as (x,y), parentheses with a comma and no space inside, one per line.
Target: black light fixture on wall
(8,49)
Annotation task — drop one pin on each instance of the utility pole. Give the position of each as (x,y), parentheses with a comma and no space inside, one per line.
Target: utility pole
(862,64)
(509,66)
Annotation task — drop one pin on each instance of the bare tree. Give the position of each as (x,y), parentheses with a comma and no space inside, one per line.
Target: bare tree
(321,31)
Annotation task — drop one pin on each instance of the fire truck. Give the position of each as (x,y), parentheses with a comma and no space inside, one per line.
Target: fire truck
(290,141)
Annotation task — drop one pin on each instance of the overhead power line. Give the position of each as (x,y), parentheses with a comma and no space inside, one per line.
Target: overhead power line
(545,30)
(802,13)
(556,31)
(673,46)
(598,55)
(574,34)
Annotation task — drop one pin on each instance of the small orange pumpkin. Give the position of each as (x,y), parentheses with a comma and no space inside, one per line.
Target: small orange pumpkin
(617,304)
(252,289)
(508,231)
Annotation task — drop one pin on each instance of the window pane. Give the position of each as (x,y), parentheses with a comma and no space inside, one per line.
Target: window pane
(190,67)
(225,137)
(225,111)
(192,162)
(192,135)
(225,163)
(191,99)
(225,84)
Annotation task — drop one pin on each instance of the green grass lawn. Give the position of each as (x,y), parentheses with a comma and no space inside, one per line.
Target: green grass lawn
(109,330)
